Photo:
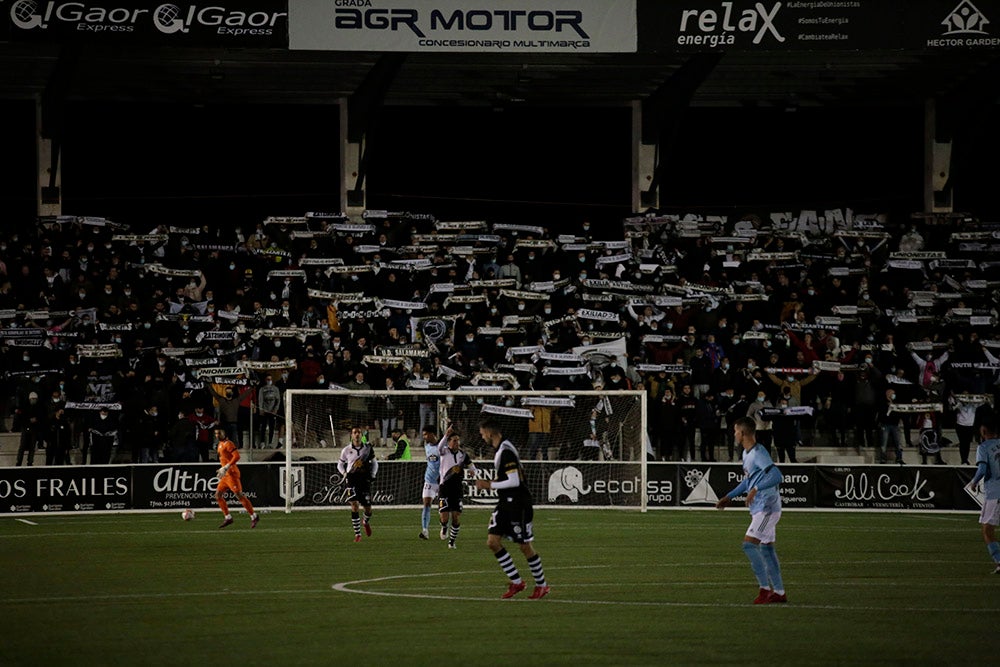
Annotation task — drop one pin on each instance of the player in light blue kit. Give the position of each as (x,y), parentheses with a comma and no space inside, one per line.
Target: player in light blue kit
(760,484)
(430,490)
(988,472)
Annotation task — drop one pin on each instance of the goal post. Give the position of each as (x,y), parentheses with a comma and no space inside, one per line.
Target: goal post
(585,448)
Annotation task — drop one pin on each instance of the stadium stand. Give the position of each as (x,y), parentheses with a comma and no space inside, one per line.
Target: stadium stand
(827,313)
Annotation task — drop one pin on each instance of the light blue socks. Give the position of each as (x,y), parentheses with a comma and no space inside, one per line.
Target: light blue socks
(770,557)
(757,564)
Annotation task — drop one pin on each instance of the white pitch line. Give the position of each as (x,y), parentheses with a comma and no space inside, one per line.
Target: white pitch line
(345,587)
(30,523)
(206,529)
(795,584)
(154,596)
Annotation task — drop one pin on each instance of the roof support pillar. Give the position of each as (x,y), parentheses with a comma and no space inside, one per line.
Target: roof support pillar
(644,193)
(48,179)
(359,119)
(352,185)
(663,112)
(938,188)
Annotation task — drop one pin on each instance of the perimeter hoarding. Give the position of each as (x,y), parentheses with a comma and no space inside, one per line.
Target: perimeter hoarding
(65,489)
(894,488)
(40,490)
(497,26)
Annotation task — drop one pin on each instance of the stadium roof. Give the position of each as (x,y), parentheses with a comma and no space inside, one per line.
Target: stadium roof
(132,73)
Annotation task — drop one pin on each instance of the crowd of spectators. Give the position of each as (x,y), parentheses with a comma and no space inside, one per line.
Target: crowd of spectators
(125,345)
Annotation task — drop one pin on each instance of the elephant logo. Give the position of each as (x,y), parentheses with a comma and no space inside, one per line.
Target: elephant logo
(567,482)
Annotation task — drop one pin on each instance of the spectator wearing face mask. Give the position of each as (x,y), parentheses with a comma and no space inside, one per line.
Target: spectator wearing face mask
(228,280)
(358,406)
(103,435)
(310,368)
(835,395)
(201,426)
(806,345)
(269,408)
(666,424)
(228,402)
(656,384)
(469,347)
(709,424)
(701,372)
(510,269)
(865,404)
(928,366)
(687,405)
(723,377)
(195,287)
(889,423)
(388,410)
(706,318)
(930,438)
(30,420)
(785,430)
(179,445)
(730,408)
(791,386)
(494,354)
(153,435)
(617,380)
(247,397)
(58,439)
(490,268)
(750,379)
(761,402)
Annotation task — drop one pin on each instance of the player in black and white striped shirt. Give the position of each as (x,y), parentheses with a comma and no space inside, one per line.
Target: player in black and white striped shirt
(454,461)
(514,513)
(358,467)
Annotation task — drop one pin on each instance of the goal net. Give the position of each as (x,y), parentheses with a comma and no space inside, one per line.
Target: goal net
(582,448)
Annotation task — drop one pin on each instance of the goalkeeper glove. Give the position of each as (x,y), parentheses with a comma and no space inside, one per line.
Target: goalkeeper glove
(221,472)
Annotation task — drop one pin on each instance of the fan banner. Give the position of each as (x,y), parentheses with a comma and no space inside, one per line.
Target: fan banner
(433,330)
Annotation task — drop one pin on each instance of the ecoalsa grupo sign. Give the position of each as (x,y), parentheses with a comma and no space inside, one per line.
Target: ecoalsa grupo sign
(539,26)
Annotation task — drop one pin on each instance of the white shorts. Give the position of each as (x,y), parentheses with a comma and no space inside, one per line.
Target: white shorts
(762,525)
(430,490)
(990,513)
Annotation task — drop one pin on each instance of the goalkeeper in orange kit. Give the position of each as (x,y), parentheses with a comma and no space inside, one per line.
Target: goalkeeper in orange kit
(229,478)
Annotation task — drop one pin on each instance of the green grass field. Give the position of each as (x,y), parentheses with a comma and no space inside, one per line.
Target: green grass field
(663,588)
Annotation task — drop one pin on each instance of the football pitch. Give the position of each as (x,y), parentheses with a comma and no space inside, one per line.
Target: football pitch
(661,588)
